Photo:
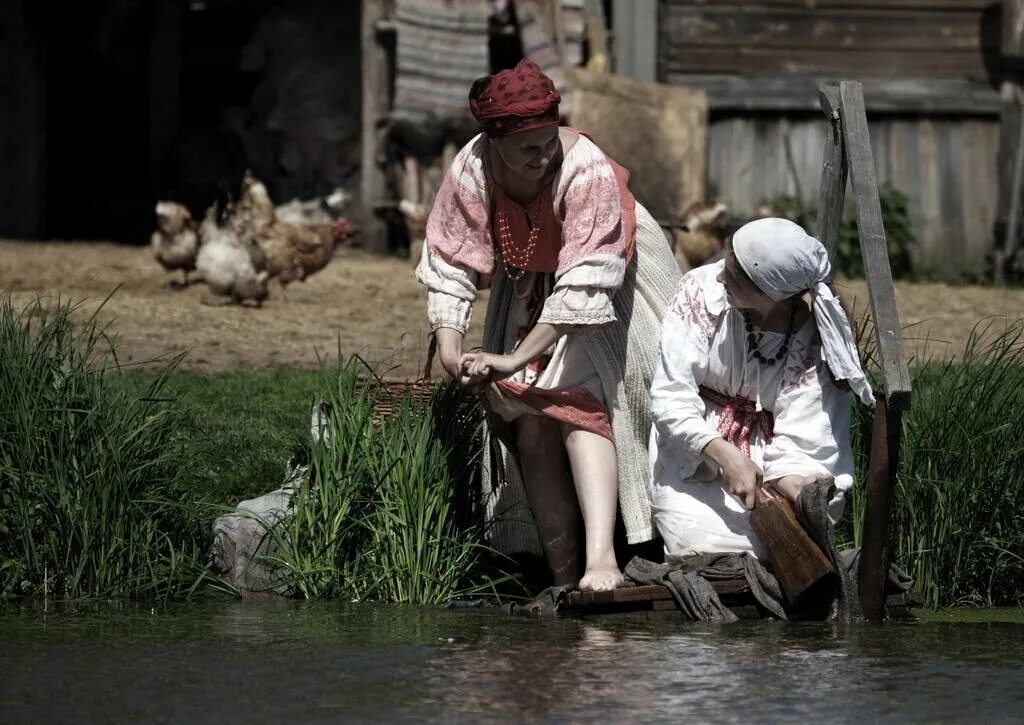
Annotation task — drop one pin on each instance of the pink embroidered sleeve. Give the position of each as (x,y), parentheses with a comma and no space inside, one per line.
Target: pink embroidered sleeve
(591,208)
(458,227)
(688,305)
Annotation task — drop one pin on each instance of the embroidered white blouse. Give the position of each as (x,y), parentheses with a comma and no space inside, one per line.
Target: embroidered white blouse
(704,344)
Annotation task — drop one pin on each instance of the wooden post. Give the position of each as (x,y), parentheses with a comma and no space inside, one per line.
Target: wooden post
(164,95)
(873,570)
(635,38)
(1011,236)
(874,559)
(374,110)
(832,191)
(873,248)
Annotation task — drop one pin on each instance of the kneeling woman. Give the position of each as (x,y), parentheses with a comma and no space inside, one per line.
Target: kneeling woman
(752,388)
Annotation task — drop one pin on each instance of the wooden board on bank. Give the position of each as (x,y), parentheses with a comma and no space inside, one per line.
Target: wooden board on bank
(653,596)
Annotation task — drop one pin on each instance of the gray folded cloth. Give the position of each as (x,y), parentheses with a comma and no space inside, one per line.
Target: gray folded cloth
(689,581)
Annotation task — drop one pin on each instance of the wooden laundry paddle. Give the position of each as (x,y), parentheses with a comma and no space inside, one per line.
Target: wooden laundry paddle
(799,563)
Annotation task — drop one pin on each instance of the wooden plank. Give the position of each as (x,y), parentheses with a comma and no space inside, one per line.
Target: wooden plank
(374,107)
(979,198)
(832,189)
(647,593)
(636,38)
(1013,219)
(834,30)
(895,375)
(1012,22)
(975,6)
(954,96)
(827,62)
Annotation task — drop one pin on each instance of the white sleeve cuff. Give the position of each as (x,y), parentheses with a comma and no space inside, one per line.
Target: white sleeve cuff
(578,306)
(445,310)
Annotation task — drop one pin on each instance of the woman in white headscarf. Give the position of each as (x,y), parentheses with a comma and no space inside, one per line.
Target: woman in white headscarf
(753,387)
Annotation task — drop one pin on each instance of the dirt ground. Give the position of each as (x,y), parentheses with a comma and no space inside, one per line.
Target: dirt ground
(369,305)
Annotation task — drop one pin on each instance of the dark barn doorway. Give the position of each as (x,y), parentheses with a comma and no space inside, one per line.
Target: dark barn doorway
(111,105)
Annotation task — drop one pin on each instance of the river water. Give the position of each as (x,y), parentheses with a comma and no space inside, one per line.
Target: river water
(329,662)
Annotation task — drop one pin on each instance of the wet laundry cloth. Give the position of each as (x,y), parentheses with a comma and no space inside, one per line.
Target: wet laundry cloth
(689,581)
(442,48)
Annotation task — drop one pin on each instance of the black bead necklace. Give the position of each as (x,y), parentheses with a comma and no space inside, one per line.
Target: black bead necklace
(754,340)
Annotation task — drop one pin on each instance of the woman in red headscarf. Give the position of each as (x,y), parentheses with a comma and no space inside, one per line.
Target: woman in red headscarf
(580,275)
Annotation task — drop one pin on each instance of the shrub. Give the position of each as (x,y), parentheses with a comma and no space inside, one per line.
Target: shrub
(899,233)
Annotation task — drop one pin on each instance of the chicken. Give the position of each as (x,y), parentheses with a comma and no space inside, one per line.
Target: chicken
(702,234)
(312,212)
(295,252)
(233,270)
(254,211)
(175,243)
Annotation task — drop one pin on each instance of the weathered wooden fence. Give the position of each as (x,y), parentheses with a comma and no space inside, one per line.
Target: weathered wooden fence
(928,69)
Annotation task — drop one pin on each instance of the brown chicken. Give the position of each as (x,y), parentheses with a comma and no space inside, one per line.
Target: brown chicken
(295,252)
(702,234)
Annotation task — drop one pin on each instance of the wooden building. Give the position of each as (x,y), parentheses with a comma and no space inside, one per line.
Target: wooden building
(931,71)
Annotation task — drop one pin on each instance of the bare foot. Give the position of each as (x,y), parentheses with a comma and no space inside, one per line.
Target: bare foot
(600,578)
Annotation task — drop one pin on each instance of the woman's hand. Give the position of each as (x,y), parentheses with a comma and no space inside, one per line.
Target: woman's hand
(740,476)
(790,486)
(485,367)
(742,479)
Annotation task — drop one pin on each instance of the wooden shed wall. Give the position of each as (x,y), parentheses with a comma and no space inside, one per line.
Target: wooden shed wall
(946,167)
(932,112)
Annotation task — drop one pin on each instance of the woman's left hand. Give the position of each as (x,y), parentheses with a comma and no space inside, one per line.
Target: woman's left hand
(486,367)
(790,486)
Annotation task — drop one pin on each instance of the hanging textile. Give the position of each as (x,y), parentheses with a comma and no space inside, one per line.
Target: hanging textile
(442,48)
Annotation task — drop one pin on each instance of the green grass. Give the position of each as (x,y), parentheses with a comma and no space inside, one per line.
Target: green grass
(240,427)
(88,504)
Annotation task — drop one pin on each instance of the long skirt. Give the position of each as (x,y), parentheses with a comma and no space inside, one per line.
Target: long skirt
(613,363)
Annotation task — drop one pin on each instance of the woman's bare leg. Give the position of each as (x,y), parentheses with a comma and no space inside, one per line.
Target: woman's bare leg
(549,490)
(595,472)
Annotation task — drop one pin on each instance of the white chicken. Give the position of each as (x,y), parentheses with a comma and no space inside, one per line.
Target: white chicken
(232,269)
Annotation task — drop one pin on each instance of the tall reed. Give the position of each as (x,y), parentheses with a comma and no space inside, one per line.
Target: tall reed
(422,547)
(386,514)
(88,506)
(315,547)
(958,523)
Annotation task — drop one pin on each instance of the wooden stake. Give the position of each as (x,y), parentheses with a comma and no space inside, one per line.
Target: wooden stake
(832,191)
(873,569)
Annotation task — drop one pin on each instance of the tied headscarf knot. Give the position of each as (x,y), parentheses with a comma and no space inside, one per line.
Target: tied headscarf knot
(739,419)
(517,99)
(783,260)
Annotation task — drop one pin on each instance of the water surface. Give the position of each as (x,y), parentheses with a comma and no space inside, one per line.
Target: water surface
(324,662)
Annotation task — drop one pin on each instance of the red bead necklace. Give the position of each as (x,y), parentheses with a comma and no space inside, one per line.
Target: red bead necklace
(517,257)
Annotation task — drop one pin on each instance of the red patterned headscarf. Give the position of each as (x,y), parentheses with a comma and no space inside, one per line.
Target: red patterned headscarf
(519,99)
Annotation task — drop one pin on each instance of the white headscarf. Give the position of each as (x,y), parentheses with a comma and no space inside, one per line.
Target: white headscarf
(783,260)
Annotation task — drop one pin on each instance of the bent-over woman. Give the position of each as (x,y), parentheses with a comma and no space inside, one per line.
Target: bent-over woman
(580,275)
